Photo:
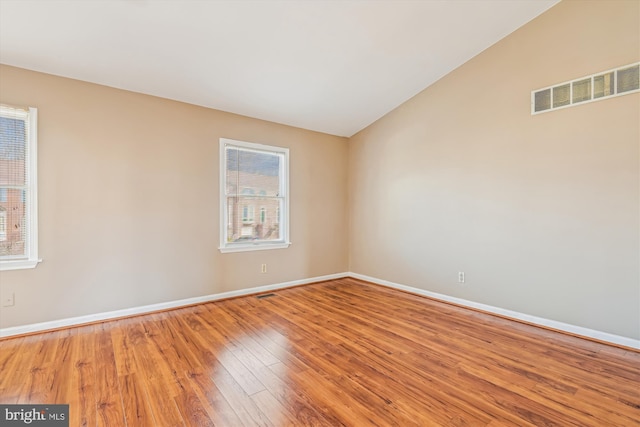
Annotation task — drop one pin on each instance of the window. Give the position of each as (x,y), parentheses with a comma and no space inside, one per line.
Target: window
(629,79)
(603,85)
(561,95)
(18,188)
(248,166)
(581,90)
(247,213)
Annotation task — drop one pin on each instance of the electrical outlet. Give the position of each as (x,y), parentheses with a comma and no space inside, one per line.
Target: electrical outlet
(263,268)
(460,276)
(9,300)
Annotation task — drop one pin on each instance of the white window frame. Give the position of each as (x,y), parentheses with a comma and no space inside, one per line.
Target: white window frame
(255,245)
(30,258)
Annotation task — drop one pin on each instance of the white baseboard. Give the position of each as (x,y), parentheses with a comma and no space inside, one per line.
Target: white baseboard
(572,329)
(90,318)
(133,311)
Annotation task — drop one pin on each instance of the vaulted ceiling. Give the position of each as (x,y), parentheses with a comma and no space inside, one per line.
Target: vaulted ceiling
(329,66)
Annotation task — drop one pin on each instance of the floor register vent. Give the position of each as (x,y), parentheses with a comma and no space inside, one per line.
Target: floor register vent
(606,84)
(265,296)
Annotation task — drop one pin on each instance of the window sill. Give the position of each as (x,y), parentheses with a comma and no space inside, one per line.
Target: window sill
(253,247)
(19,264)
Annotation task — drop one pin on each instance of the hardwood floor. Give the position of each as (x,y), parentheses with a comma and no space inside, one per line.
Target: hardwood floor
(336,353)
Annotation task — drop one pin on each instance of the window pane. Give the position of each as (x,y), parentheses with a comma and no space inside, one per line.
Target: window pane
(252,173)
(255,200)
(561,95)
(13,230)
(629,79)
(12,151)
(582,90)
(542,100)
(603,85)
(244,225)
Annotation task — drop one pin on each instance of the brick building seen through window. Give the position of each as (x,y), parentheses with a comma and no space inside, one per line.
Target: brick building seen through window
(12,177)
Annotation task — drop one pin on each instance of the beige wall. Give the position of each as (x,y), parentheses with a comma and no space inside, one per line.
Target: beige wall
(129,208)
(540,212)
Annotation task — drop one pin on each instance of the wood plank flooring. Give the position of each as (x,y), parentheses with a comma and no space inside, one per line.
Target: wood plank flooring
(342,352)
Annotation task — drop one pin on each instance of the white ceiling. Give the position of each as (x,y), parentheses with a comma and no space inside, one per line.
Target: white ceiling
(329,66)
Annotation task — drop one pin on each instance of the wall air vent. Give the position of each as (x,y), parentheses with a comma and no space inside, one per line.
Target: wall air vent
(607,84)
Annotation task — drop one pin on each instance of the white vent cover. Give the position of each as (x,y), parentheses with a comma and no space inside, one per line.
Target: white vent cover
(606,84)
